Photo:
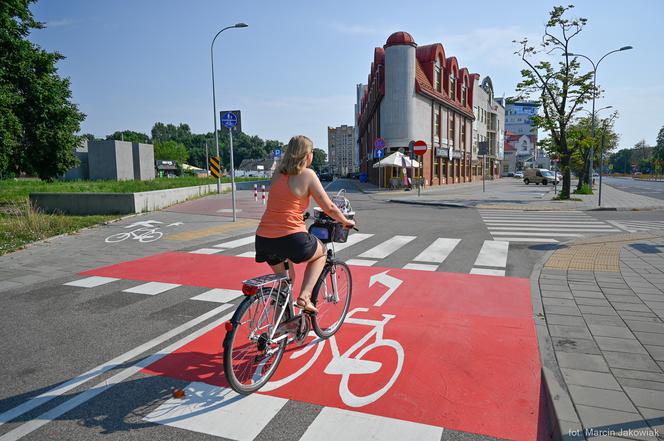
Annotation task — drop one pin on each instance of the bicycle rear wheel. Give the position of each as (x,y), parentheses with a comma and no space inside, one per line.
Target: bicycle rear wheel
(249,358)
(332,306)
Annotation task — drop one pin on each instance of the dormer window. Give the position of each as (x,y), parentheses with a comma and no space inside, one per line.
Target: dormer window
(438,75)
(464,91)
(452,85)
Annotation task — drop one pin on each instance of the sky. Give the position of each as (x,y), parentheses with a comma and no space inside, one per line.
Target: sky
(294,69)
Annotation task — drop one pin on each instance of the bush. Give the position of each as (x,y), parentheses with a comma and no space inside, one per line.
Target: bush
(585,189)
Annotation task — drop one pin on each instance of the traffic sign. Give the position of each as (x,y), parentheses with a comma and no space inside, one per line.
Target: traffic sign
(419,147)
(379,143)
(277,153)
(215,169)
(378,153)
(229,120)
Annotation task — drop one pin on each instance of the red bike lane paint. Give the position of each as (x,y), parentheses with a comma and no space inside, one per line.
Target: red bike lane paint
(470,358)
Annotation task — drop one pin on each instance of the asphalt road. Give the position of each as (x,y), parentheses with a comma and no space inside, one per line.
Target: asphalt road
(653,189)
(54,332)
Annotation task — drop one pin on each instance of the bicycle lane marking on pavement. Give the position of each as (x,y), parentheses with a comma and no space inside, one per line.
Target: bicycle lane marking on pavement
(469,345)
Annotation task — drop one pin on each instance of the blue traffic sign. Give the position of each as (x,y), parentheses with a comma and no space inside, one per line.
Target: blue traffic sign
(277,153)
(379,153)
(379,143)
(229,120)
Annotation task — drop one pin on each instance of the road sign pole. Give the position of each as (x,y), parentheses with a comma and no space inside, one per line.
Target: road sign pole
(483,173)
(230,134)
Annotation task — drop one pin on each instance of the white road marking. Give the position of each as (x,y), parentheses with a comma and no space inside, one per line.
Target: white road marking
(516,233)
(151,288)
(357,425)
(236,243)
(102,368)
(352,240)
(388,247)
(554,228)
(493,253)
(529,239)
(97,389)
(488,272)
(438,251)
(91,282)
(207,251)
(546,222)
(421,267)
(218,411)
(251,254)
(361,262)
(219,295)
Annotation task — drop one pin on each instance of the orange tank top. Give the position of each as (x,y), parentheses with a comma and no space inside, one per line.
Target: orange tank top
(284,211)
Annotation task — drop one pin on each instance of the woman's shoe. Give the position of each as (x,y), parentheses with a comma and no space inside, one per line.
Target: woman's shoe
(306,306)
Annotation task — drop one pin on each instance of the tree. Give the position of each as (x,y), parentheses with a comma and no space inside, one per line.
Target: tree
(171,150)
(129,135)
(562,91)
(659,149)
(38,122)
(621,161)
(90,137)
(320,157)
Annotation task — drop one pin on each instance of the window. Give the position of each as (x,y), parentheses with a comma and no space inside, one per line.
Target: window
(436,122)
(464,89)
(438,75)
(451,129)
(452,86)
(463,133)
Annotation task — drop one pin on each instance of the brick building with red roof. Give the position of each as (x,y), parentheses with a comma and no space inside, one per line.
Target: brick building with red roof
(417,93)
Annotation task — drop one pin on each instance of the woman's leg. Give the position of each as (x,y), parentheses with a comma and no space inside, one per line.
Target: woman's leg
(280,269)
(315,266)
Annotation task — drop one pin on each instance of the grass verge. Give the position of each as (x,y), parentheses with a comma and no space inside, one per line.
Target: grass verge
(21,224)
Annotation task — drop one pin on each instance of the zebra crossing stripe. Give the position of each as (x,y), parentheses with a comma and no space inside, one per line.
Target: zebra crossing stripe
(493,254)
(250,254)
(554,228)
(386,248)
(420,267)
(91,282)
(218,295)
(151,288)
(438,251)
(361,262)
(352,240)
(529,239)
(207,251)
(488,272)
(236,243)
(358,425)
(218,411)
(516,233)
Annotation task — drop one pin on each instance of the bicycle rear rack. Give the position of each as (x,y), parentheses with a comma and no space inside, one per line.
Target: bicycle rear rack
(265,280)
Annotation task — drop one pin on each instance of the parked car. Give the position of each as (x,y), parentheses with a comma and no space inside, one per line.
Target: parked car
(518,175)
(508,175)
(326,176)
(539,176)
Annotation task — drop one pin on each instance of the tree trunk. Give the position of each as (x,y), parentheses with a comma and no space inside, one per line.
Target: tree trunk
(567,180)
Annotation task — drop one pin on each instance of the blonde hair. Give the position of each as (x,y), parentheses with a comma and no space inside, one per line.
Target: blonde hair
(295,156)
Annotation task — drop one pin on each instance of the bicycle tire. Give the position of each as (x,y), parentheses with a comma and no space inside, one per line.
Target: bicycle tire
(236,384)
(320,329)
(151,236)
(117,237)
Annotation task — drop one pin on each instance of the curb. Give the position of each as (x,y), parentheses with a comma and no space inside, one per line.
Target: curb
(428,204)
(562,415)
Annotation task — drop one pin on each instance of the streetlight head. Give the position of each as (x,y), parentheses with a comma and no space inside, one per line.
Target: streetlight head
(569,54)
(625,48)
(241,25)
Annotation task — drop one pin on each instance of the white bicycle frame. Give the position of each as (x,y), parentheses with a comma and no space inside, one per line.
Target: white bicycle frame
(345,365)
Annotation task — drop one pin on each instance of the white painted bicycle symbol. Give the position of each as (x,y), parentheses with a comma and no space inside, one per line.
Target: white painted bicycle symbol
(351,362)
(148,232)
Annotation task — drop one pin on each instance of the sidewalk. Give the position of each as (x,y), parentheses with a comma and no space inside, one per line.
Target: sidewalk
(508,194)
(599,311)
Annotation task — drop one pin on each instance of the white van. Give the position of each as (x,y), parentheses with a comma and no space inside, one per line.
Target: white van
(539,176)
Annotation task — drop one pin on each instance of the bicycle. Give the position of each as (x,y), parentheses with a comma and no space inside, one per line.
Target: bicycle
(265,322)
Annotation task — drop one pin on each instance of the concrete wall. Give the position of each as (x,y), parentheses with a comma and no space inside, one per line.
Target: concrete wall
(118,203)
(111,159)
(143,158)
(82,171)
(422,120)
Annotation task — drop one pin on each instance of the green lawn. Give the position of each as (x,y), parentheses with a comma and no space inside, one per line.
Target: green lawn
(20,224)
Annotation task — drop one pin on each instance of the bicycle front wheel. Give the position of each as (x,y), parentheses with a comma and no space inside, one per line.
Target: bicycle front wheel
(332,294)
(250,358)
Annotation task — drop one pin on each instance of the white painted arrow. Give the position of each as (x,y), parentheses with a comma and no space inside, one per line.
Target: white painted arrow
(385,279)
(175,224)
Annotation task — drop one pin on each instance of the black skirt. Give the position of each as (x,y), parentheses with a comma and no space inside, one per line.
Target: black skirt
(297,247)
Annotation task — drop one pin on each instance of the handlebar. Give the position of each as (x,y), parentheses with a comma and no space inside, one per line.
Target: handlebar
(307,215)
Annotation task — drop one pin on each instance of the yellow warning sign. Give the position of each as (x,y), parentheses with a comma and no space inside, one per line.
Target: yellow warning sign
(215,169)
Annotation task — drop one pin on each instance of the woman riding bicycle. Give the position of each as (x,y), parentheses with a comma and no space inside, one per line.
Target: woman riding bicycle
(282,233)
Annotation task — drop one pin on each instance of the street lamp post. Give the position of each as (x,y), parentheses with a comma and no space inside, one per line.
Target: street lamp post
(214,103)
(595,66)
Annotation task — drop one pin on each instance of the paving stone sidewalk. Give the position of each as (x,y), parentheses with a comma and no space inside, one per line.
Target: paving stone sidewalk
(603,308)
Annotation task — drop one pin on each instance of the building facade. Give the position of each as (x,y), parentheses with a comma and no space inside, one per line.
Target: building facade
(341,150)
(521,134)
(417,93)
(488,127)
